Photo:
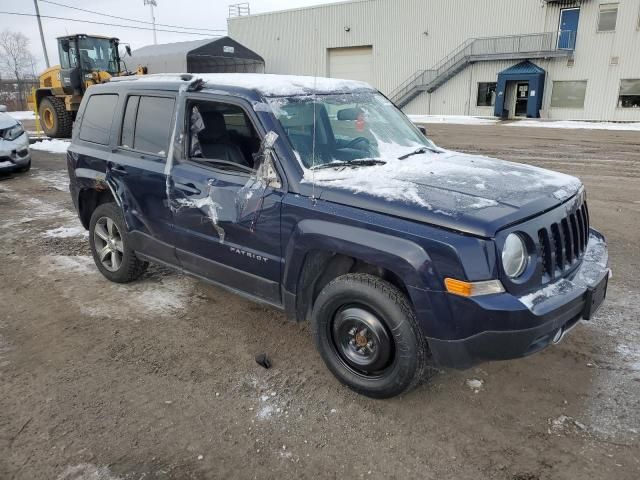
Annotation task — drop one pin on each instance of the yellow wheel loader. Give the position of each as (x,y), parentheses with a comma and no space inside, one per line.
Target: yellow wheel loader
(85,60)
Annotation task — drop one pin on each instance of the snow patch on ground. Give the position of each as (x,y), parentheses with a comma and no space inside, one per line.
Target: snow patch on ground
(52,146)
(147,298)
(56,179)
(453,119)
(87,471)
(22,115)
(631,355)
(564,424)
(67,232)
(571,124)
(475,384)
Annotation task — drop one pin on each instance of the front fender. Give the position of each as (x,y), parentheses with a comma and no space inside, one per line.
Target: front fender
(410,262)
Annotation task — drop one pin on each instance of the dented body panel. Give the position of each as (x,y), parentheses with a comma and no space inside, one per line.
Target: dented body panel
(274,236)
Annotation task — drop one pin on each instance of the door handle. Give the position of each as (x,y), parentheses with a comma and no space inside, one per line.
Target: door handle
(188,187)
(118,170)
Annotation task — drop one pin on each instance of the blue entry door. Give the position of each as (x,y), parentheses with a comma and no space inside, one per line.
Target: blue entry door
(569,18)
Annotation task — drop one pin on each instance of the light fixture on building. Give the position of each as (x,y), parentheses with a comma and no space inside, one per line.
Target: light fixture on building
(347,29)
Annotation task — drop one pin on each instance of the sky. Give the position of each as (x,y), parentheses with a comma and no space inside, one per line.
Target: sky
(203,14)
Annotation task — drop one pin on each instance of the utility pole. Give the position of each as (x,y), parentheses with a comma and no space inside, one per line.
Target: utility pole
(152,3)
(44,45)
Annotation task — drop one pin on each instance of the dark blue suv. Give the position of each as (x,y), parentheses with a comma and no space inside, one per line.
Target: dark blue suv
(319,197)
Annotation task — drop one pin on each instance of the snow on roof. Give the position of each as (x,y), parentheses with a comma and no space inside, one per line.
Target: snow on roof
(267,84)
(166,49)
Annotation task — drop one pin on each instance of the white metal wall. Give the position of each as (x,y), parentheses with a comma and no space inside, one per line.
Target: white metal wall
(408,35)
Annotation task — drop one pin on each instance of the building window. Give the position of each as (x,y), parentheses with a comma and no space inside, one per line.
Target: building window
(568,94)
(629,94)
(486,94)
(608,17)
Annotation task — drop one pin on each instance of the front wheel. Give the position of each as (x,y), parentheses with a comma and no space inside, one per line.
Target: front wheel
(367,335)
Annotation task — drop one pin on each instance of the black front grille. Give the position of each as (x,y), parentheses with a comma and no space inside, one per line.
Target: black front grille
(562,244)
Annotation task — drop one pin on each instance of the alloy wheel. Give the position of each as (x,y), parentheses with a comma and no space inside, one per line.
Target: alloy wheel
(108,243)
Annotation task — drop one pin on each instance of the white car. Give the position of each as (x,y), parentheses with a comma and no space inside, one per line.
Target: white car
(14,144)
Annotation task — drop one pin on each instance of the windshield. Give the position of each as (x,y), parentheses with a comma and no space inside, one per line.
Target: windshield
(98,54)
(348,127)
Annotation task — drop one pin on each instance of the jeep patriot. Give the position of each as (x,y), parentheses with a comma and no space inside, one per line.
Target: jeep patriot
(319,197)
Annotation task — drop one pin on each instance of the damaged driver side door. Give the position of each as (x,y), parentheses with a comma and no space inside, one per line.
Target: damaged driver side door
(226,200)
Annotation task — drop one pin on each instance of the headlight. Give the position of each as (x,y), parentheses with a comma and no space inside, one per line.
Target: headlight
(13,132)
(514,256)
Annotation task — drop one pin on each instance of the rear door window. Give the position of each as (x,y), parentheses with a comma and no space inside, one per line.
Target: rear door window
(153,125)
(97,118)
(129,122)
(146,126)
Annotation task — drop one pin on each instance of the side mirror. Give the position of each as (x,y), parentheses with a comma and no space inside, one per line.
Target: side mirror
(268,141)
(128,49)
(266,170)
(423,130)
(3,108)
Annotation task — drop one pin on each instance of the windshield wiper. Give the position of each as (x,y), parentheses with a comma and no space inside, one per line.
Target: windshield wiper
(363,162)
(418,151)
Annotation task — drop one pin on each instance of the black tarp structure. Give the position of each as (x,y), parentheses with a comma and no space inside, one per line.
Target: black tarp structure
(219,55)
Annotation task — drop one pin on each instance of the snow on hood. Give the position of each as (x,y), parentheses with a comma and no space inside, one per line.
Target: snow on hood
(267,84)
(450,182)
(6,121)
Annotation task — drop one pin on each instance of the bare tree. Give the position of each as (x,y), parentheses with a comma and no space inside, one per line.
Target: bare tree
(15,57)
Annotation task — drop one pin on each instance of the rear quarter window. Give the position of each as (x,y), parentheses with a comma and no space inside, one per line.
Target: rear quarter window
(97,118)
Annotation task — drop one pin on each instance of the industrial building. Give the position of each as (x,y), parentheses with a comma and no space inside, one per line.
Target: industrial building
(558,59)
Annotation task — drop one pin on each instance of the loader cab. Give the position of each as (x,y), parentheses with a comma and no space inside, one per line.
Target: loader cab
(81,56)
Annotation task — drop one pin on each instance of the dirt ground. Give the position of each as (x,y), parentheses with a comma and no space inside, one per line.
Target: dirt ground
(157,379)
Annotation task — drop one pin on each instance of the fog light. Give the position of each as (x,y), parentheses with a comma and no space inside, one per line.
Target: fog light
(473,289)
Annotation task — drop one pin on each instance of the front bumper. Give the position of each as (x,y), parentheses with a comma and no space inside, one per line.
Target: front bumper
(14,154)
(520,326)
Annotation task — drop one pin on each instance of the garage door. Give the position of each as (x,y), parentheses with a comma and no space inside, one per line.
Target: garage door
(354,63)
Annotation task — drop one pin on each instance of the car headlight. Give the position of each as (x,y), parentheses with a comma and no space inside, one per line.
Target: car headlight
(13,132)
(514,256)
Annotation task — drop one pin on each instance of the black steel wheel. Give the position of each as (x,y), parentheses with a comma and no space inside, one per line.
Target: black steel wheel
(367,335)
(361,340)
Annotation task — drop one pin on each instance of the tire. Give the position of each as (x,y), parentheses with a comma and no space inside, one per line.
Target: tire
(108,238)
(26,168)
(395,351)
(55,120)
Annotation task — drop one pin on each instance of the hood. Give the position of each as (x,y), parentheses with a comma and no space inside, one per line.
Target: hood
(469,193)
(6,121)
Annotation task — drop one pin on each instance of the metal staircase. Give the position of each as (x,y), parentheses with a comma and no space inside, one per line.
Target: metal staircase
(514,47)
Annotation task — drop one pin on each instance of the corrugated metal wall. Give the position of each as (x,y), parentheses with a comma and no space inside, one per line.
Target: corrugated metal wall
(408,35)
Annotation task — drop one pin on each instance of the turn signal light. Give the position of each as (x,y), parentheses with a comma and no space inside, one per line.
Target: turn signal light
(473,289)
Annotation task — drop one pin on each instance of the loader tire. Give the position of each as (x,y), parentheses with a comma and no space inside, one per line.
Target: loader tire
(55,120)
